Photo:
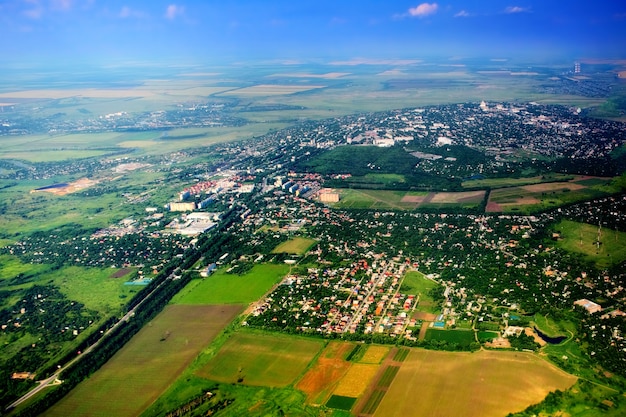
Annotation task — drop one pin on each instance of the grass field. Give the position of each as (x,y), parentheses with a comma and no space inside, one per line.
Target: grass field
(270,360)
(406,200)
(416,283)
(582,238)
(460,337)
(93,287)
(270,90)
(541,196)
(482,384)
(223,288)
(141,371)
(296,246)
(515,182)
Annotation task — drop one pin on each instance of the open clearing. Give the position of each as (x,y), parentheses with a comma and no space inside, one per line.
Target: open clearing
(269,360)
(605,247)
(480,384)
(547,195)
(406,200)
(224,288)
(141,371)
(297,246)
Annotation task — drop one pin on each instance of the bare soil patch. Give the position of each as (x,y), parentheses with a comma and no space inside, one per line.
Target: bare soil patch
(318,382)
(413,199)
(121,272)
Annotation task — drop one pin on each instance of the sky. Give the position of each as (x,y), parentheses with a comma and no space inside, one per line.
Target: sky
(222,31)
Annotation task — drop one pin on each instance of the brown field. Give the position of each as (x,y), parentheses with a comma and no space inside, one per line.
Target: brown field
(460,197)
(143,369)
(270,90)
(420,315)
(413,199)
(484,384)
(356,380)
(121,272)
(318,382)
(374,354)
(72,187)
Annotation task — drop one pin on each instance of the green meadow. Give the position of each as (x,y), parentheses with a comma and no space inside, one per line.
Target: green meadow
(604,247)
(224,288)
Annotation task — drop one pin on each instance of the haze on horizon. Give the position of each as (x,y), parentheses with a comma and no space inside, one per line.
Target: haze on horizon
(60,32)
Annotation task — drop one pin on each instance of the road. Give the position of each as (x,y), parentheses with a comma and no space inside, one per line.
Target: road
(54,379)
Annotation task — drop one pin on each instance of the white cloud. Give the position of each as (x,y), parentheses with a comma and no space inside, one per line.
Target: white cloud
(423,9)
(515,9)
(61,4)
(35,13)
(127,13)
(462,13)
(173,11)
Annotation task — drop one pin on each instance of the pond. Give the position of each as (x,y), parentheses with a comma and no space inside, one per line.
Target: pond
(552,340)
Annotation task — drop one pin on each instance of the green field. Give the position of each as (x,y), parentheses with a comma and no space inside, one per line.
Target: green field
(143,369)
(83,145)
(224,288)
(515,182)
(340,402)
(485,384)
(269,360)
(416,283)
(295,246)
(460,337)
(604,247)
(547,195)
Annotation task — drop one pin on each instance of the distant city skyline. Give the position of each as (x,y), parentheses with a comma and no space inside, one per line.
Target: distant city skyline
(95,31)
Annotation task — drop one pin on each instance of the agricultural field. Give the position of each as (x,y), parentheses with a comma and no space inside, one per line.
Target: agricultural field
(374,354)
(224,288)
(483,383)
(604,247)
(459,337)
(529,198)
(268,360)
(144,368)
(269,90)
(295,246)
(406,200)
(516,182)
(356,380)
(330,367)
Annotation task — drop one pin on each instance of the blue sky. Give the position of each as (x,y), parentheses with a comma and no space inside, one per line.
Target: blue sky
(208,31)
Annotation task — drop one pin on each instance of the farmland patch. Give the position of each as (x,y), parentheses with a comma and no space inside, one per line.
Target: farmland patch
(484,384)
(149,363)
(261,359)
